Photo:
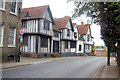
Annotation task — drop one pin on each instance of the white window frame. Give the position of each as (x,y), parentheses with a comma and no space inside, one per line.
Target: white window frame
(15,9)
(1,43)
(14,45)
(3,6)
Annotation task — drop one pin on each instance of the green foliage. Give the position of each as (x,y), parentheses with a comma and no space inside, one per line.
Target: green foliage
(106,14)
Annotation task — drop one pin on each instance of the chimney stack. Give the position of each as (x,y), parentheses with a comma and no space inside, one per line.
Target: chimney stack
(82,23)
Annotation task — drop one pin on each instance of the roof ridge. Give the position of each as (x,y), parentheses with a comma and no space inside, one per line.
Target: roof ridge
(36,7)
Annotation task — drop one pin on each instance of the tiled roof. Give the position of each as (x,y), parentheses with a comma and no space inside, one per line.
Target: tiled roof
(34,12)
(55,27)
(61,22)
(83,29)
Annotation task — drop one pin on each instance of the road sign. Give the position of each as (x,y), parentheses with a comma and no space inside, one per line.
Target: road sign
(21,31)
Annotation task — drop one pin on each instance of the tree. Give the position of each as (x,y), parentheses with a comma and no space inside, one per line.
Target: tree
(107,15)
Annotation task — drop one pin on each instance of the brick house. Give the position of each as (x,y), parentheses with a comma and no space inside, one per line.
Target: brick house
(10,24)
(37,23)
(100,52)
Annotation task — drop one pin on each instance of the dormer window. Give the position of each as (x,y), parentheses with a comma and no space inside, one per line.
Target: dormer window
(68,32)
(46,25)
(13,7)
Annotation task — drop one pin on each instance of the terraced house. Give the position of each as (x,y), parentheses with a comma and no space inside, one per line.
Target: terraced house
(68,36)
(85,31)
(38,31)
(10,24)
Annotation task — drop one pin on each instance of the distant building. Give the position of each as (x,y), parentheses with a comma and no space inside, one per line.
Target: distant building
(10,24)
(100,52)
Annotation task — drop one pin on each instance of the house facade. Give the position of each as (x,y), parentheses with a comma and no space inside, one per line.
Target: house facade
(10,23)
(56,39)
(85,31)
(67,39)
(80,41)
(100,52)
(38,32)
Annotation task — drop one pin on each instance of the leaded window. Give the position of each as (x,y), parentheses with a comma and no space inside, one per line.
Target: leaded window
(24,24)
(66,44)
(88,37)
(72,44)
(68,32)
(11,36)
(46,25)
(56,34)
(25,40)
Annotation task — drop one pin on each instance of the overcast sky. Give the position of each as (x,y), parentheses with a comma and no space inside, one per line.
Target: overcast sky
(61,8)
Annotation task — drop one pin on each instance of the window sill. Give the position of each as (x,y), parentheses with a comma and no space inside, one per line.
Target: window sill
(13,13)
(11,46)
(1,46)
(2,9)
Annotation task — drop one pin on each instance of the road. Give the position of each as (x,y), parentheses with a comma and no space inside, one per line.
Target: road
(84,67)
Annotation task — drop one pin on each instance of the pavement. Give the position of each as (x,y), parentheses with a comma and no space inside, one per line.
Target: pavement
(109,71)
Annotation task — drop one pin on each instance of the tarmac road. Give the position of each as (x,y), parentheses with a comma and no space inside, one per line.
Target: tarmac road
(84,67)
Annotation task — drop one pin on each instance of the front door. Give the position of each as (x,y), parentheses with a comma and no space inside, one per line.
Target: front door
(55,46)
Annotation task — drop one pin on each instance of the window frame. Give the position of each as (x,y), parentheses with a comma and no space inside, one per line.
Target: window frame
(25,40)
(1,43)
(66,44)
(72,44)
(68,33)
(15,8)
(12,45)
(3,5)
(88,37)
(56,34)
(48,26)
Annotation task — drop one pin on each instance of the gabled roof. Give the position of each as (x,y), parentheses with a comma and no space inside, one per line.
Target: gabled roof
(62,22)
(36,12)
(83,29)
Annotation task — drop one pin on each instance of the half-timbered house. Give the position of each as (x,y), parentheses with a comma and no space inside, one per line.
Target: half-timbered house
(37,25)
(56,39)
(68,42)
(85,31)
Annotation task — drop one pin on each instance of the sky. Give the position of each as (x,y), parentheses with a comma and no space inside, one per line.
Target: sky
(61,8)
